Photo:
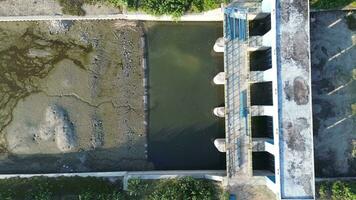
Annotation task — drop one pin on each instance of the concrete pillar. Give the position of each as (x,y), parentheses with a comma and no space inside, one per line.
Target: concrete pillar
(219,79)
(219,112)
(220,144)
(262,76)
(262,111)
(219,45)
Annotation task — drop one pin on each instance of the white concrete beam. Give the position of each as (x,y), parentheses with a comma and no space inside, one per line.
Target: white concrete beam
(262,111)
(262,76)
(267,39)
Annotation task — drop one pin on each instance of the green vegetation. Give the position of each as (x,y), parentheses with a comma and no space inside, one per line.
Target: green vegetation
(41,188)
(337,190)
(72,7)
(175,8)
(77,188)
(331,4)
(184,188)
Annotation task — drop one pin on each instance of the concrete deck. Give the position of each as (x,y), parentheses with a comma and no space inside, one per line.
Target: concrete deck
(294,100)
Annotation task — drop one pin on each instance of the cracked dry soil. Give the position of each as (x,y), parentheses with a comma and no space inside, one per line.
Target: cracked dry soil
(71,97)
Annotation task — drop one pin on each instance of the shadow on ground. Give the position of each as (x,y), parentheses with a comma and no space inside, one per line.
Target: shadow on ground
(333,54)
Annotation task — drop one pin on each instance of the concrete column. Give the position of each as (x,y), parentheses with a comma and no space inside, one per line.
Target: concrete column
(262,111)
(219,45)
(219,79)
(262,76)
(219,111)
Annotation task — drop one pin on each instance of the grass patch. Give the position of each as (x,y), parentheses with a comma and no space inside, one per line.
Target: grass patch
(331,4)
(172,189)
(338,190)
(42,188)
(79,188)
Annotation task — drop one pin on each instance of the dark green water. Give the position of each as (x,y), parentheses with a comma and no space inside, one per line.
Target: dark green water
(181,66)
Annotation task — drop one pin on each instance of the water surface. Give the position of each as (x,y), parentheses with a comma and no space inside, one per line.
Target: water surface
(181,66)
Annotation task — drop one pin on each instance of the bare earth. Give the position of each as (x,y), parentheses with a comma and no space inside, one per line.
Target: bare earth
(71,97)
(333,40)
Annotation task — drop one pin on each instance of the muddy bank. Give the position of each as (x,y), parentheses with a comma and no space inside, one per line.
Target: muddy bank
(333,40)
(71,97)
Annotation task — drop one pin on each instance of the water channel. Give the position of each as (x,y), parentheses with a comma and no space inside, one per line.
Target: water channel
(181,66)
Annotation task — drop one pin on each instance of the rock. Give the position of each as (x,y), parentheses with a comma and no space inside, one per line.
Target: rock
(59,26)
(58,125)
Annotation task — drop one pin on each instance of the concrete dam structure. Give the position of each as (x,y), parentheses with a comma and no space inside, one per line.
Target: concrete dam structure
(268,107)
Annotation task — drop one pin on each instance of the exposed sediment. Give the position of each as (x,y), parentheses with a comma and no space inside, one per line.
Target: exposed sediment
(71,97)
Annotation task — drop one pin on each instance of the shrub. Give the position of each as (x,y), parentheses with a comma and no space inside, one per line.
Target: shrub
(341,191)
(337,191)
(185,188)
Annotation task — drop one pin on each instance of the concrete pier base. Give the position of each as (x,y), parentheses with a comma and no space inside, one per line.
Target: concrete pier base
(220,144)
(219,112)
(219,79)
(219,45)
